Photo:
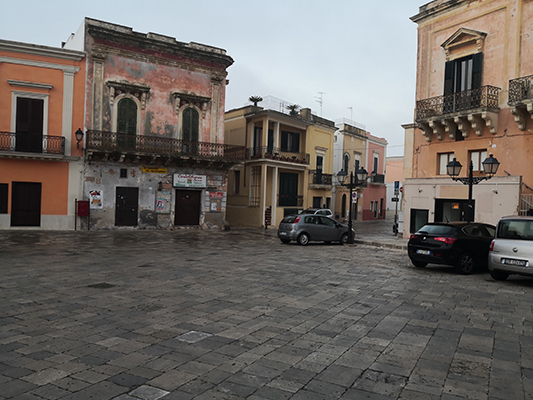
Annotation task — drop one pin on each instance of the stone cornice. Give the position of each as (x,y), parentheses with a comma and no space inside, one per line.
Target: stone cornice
(34,85)
(435,8)
(152,44)
(37,50)
(42,64)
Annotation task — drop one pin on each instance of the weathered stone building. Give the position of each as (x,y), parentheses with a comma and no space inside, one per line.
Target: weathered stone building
(154,143)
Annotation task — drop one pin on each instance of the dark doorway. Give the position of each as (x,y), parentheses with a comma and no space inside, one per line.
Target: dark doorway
(187,207)
(29,128)
(419,218)
(126,206)
(447,210)
(288,189)
(26,204)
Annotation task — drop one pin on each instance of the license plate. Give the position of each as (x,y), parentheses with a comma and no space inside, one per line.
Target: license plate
(510,261)
(424,252)
(283,233)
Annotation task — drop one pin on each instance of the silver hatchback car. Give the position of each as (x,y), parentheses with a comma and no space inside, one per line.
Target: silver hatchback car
(511,250)
(305,228)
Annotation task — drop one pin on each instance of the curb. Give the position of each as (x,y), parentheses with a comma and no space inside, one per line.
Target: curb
(376,243)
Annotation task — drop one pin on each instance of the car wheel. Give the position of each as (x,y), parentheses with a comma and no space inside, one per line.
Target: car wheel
(419,264)
(344,238)
(465,264)
(303,239)
(285,241)
(499,275)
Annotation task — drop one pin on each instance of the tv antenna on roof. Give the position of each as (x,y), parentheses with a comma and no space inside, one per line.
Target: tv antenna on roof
(351,113)
(320,100)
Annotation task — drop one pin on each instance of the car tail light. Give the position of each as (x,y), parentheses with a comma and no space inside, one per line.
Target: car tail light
(296,220)
(412,237)
(491,247)
(447,240)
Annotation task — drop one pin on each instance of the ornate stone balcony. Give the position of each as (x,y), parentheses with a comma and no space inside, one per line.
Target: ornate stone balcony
(459,112)
(319,180)
(521,100)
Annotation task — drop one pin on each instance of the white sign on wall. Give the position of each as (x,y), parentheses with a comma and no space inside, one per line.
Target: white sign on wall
(189,181)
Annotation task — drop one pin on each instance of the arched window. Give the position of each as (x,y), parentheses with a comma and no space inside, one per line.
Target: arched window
(190,125)
(126,123)
(346,161)
(127,117)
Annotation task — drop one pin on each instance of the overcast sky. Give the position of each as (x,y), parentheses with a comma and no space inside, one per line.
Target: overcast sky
(360,54)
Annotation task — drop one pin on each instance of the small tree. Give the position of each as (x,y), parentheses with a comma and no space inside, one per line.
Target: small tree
(293,109)
(255,100)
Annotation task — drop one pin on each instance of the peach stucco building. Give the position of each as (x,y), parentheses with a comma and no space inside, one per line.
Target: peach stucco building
(41,107)
(473,99)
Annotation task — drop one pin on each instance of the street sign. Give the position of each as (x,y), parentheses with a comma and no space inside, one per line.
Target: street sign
(394,199)
(396,184)
(354,197)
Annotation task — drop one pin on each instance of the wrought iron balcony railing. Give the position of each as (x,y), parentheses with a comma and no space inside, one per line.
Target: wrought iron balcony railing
(160,146)
(520,89)
(483,97)
(319,178)
(32,143)
(274,153)
(377,178)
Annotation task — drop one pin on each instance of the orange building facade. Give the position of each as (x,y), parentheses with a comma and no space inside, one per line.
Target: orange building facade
(41,107)
(473,99)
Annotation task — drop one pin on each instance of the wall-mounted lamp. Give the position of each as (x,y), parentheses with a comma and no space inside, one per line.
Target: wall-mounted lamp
(79,137)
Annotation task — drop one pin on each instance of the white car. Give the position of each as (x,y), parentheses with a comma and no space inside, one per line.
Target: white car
(511,250)
(319,211)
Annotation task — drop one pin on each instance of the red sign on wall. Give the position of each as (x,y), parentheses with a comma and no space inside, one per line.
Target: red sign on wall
(83,208)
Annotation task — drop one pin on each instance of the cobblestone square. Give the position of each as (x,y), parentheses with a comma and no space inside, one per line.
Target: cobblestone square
(194,314)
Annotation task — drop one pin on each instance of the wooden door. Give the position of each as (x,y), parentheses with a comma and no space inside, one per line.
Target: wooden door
(187,210)
(29,125)
(126,206)
(26,204)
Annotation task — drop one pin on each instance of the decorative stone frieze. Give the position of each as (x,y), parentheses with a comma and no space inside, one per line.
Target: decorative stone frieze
(128,90)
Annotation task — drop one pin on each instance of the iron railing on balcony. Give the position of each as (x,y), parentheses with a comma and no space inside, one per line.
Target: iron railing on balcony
(319,178)
(275,153)
(162,146)
(32,143)
(377,178)
(520,89)
(287,200)
(483,97)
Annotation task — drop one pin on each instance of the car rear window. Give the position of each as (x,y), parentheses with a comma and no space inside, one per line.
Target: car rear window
(515,229)
(437,229)
(289,220)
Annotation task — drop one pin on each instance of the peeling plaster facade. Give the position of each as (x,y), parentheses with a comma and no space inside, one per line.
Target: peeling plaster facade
(156,159)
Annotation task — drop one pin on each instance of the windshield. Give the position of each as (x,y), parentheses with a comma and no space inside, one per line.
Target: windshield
(437,229)
(515,229)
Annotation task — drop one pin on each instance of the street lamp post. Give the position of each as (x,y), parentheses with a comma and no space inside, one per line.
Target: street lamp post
(490,166)
(360,177)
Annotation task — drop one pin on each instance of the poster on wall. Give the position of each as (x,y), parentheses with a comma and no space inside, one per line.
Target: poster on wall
(95,199)
(189,181)
(162,203)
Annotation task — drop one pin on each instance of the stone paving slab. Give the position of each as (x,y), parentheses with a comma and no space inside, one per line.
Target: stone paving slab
(196,314)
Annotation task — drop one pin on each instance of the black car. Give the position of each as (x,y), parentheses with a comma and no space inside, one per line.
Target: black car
(464,245)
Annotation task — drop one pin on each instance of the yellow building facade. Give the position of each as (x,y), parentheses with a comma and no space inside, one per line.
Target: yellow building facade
(288,165)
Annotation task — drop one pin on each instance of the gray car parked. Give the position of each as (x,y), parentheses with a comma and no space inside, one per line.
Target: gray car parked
(305,228)
(511,250)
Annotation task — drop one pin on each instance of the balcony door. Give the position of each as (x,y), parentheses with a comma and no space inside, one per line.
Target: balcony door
(126,123)
(29,125)
(462,78)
